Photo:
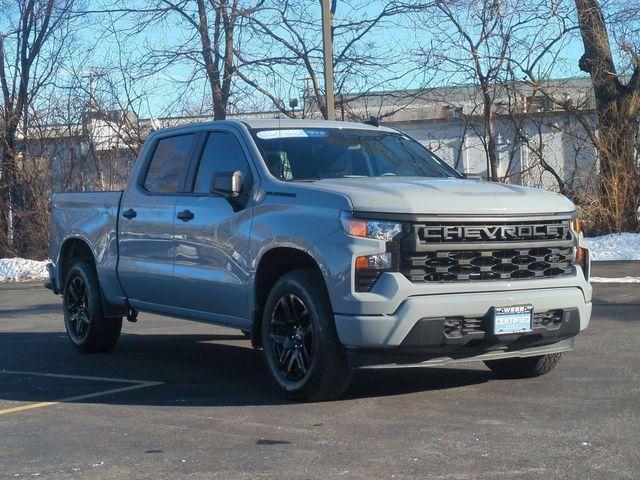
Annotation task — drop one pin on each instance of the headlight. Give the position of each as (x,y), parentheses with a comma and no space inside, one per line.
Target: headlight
(369,268)
(576,226)
(380,230)
(581,254)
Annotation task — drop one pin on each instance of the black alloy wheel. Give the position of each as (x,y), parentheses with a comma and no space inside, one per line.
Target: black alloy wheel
(301,345)
(88,328)
(291,338)
(77,306)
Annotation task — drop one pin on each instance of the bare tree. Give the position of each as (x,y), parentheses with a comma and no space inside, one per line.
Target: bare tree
(217,37)
(206,40)
(618,113)
(476,39)
(32,38)
(612,124)
(367,57)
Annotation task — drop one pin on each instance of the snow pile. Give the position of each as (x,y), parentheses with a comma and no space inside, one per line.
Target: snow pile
(616,246)
(21,270)
(614,280)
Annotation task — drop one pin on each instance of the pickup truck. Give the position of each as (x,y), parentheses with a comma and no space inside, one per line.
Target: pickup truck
(333,245)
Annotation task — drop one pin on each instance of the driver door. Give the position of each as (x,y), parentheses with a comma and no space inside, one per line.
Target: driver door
(211,234)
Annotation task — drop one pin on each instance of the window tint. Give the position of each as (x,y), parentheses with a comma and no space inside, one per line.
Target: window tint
(316,153)
(222,153)
(170,160)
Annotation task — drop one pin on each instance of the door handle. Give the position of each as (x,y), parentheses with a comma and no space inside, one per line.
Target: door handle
(186,215)
(131,213)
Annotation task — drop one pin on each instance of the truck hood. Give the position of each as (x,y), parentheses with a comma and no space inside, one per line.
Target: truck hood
(448,196)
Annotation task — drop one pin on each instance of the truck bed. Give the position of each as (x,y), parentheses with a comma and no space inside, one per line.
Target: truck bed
(91,217)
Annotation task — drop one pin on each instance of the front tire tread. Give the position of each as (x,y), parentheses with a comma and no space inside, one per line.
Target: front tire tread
(331,374)
(527,367)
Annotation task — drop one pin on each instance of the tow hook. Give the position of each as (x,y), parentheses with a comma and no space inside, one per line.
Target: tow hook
(132,315)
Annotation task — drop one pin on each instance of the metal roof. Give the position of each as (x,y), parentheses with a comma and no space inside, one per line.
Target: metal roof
(306,123)
(276,123)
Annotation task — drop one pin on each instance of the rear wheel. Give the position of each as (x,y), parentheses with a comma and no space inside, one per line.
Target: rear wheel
(301,345)
(524,367)
(87,327)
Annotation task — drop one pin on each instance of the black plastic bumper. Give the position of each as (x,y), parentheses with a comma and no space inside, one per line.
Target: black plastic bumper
(432,338)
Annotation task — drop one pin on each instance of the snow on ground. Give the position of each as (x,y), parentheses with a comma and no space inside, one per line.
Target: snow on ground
(21,270)
(614,280)
(616,246)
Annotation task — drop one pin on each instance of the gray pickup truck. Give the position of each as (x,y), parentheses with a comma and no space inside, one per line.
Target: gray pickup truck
(333,245)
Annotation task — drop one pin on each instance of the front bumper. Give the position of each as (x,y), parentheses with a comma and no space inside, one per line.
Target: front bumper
(389,359)
(381,320)
(417,328)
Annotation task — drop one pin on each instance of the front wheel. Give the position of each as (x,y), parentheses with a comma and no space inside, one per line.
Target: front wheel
(526,367)
(87,327)
(304,355)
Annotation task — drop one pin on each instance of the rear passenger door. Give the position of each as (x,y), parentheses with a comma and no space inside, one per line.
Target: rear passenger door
(211,234)
(146,218)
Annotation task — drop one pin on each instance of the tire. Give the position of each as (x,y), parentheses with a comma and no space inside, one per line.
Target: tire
(315,365)
(526,367)
(87,327)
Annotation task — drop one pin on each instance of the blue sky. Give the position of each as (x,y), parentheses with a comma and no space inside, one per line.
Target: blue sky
(166,91)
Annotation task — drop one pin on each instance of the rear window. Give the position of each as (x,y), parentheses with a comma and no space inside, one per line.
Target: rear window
(169,164)
(308,154)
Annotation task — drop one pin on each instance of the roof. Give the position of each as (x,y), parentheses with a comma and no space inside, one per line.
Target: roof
(306,123)
(277,123)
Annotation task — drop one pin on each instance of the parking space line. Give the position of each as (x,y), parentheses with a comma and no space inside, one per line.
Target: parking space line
(78,377)
(135,384)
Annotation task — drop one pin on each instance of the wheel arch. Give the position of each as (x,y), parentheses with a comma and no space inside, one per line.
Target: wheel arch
(73,248)
(273,264)
(78,248)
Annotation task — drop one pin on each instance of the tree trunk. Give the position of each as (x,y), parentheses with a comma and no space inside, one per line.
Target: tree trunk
(617,108)
(8,192)
(219,108)
(492,147)
(619,181)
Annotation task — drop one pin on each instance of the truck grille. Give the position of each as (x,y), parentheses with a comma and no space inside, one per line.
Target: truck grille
(437,252)
(448,265)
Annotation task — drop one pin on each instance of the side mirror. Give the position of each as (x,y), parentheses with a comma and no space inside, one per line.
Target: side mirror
(228,184)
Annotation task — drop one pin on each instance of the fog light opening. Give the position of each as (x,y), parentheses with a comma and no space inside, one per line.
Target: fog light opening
(369,268)
(452,326)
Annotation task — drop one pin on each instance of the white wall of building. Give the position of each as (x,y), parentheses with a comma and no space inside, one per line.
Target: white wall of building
(559,139)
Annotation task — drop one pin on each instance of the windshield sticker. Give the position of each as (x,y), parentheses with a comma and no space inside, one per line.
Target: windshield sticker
(289,133)
(317,133)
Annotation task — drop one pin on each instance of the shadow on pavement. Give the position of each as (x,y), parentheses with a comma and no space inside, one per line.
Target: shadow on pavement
(197,370)
(43,309)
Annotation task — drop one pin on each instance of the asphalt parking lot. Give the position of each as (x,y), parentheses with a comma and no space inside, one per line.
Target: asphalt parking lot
(178,399)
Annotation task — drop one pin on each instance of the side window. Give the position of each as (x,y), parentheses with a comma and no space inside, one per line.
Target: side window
(222,153)
(170,160)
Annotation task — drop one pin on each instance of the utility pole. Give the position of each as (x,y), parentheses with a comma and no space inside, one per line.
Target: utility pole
(92,76)
(327,43)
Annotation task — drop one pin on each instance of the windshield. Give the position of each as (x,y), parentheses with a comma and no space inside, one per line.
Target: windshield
(306,154)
